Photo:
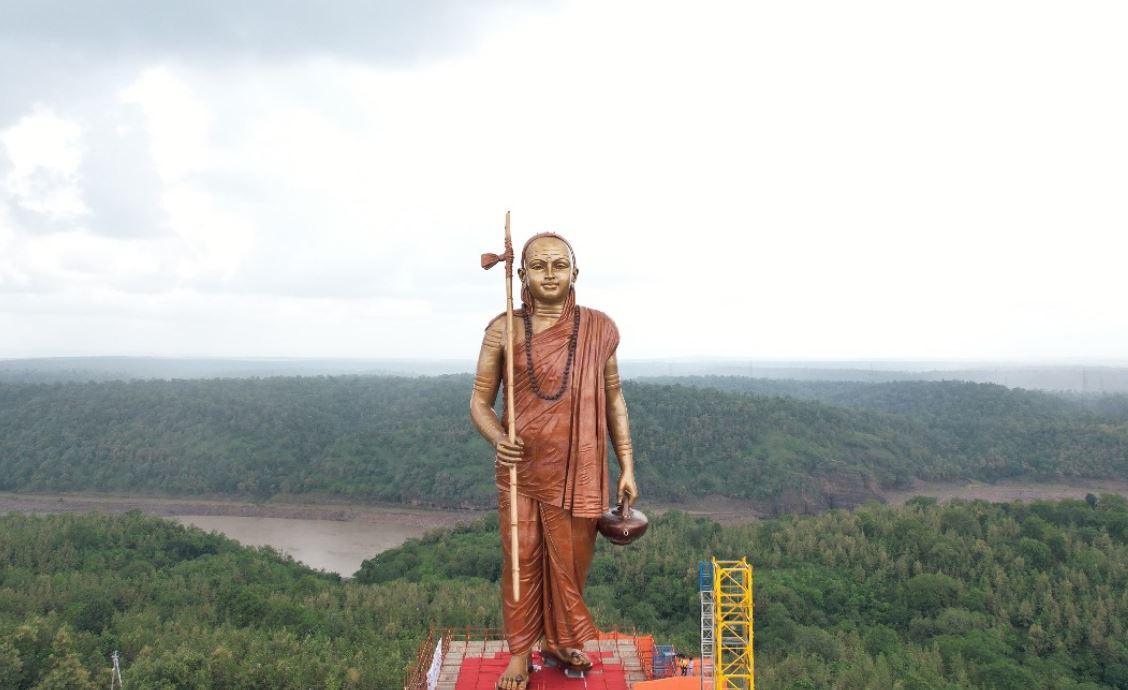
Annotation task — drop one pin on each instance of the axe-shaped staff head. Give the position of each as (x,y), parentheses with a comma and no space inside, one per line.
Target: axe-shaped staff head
(491,260)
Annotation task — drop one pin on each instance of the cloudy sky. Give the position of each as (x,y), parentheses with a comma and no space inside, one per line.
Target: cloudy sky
(828,180)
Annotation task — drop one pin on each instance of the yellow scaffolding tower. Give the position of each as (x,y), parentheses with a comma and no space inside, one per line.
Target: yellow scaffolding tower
(732,594)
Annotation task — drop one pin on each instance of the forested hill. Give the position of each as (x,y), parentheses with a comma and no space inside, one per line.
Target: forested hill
(409,440)
(968,595)
(944,402)
(1094,377)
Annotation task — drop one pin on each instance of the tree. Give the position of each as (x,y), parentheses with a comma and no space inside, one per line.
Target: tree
(930,592)
(10,666)
(66,670)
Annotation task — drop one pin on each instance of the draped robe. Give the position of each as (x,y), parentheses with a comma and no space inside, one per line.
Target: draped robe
(562,485)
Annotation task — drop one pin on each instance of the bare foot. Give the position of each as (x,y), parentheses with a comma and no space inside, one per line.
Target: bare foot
(516,674)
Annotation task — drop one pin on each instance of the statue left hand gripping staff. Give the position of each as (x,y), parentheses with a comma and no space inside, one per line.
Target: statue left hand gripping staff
(568,403)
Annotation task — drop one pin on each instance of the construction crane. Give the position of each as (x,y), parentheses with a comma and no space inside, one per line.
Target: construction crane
(727,659)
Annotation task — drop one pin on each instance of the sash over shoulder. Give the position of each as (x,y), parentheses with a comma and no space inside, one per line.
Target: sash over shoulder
(565,439)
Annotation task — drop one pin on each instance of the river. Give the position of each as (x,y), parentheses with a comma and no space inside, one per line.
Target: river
(334,545)
(336,537)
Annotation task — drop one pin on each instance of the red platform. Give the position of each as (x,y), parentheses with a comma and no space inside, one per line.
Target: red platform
(476,665)
(605,674)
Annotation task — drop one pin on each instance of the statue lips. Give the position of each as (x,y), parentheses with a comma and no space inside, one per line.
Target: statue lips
(622,525)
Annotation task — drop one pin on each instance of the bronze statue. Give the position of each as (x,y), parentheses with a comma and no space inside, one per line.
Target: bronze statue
(568,402)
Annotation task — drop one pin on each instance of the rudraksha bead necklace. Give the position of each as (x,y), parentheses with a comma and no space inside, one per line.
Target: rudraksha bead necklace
(567,366)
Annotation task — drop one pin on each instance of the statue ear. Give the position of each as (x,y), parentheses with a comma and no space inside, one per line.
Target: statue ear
(575,275)
(521,274)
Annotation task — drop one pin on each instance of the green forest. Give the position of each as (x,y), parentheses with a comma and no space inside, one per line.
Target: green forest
(790,446)
(193,610)
(920,597)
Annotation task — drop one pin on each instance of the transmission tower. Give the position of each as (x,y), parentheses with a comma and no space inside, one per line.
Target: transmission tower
(116,683)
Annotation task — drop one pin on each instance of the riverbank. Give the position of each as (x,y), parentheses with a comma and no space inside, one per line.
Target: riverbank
(163,506)
(338,536)
(723,509)
(332,536)
(1005,492)
(734,511)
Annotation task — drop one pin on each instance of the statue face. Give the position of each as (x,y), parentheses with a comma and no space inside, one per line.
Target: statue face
(548,270)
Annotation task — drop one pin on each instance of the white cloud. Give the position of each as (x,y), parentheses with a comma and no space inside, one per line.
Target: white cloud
(215,237)
(100,321)
(855,180)
(11,272)
(44,151)
(177,121)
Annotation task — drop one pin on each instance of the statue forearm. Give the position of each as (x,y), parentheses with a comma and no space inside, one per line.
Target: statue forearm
(486,421)
(487,381)
(618,421)
(619,427)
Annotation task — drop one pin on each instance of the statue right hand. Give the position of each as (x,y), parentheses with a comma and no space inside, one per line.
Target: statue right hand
(510,453)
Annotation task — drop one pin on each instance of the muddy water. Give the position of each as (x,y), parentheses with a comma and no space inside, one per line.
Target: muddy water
(335,536)
(334,545)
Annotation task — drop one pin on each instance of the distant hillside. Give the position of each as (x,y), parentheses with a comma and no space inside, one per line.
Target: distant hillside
(1096,378)
(410,440)
(1088,378)
(83,369)
(945,401)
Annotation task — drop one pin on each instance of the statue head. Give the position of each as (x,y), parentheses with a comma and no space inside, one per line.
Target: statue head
(548,270)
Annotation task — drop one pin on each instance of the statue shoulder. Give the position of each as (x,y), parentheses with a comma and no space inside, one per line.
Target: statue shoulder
(496,324)
(602,323)
(598,317)
(494,336)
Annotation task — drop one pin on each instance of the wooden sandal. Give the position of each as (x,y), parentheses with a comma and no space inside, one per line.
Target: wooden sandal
(575,660)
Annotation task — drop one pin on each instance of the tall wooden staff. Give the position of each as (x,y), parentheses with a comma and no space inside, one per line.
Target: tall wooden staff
(488,262)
